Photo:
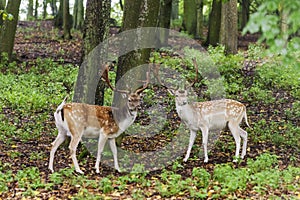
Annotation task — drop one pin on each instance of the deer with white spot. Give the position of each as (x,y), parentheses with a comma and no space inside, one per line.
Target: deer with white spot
(79,120)
(210,115)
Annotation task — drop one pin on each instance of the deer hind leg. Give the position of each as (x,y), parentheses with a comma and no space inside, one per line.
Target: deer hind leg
(57,142)
(234,128)
(112,144)
(244,135)
(75,139)
(101,143)
(191,142)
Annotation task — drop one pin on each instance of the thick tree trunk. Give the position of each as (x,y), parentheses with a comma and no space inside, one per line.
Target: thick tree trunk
(229,32)
(78,13)
(8,30)
(66,22)
(2,7)
(245,12)
(214,23)
(146,17)
(30,10)
(59,18)
(96,28)
(190,16)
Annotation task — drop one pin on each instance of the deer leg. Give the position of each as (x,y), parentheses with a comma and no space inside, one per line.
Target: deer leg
(101,142)
(57,142)
(191,142)
(244,135)
(204,142)
(236,135)
(112,144)
(75,139)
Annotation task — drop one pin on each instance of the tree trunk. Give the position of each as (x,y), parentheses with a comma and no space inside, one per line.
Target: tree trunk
(245,13)
(2,7)
(146,17)
(36,9)
(214,24)
(30,10)
(199,28)
(165,19)
(175,9)
(8,32)
(53,7)
(59,18)
(96,26)
(44,9)
(229,34)
(190,16)
(66,21)
(78,13)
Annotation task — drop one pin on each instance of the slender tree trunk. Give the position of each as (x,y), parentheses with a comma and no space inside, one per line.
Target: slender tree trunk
(53,7)
(96,26)
(229,33)
(245,12)
(36,9)
(199,28)
(30,10)
(78,14)
(214,23)
(165,19)
(175,9)
(8,31)
(190,16)
(66,21)
(44,9)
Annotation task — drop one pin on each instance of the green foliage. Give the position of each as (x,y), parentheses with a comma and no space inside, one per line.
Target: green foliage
(267,21)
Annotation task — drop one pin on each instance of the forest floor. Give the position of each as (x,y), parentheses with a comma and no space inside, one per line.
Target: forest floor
(39,40)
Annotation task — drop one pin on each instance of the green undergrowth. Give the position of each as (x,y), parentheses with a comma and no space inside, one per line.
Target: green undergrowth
(261,175)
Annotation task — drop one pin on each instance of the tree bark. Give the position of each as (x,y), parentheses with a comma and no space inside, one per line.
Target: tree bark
(78,13)
(199,28)
(53,7)
(59,18)
(190,16)
(96,26)
(8,32)
(44,9)
(30,10)
(214,24)
(175,9)
(165,19)
(66,21)
(36,9)
(229,33)
(146,17)
(2,7)
(245,13)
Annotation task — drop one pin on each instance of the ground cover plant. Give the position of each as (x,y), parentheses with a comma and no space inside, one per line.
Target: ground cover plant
(32,88)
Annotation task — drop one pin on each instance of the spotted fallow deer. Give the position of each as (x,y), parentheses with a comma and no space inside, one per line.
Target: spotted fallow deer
(210,115)
(79,120)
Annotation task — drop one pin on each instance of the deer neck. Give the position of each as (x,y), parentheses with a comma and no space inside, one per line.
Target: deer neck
(186,113)
(125,116)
